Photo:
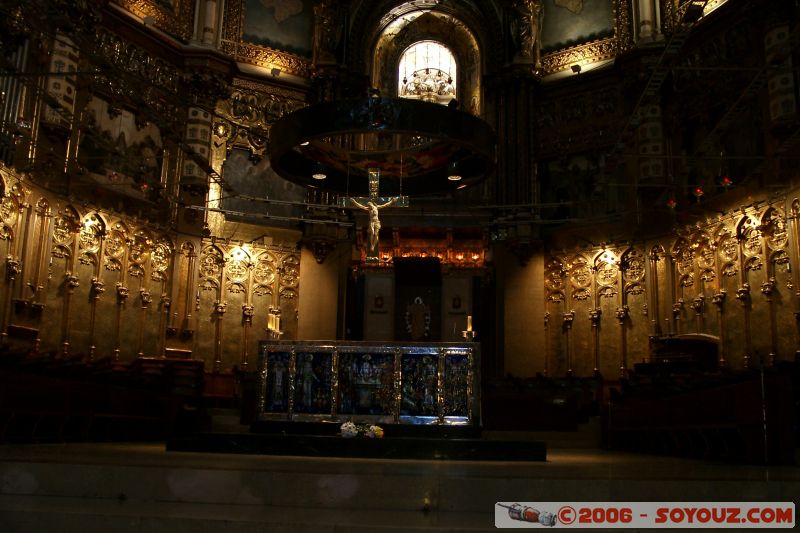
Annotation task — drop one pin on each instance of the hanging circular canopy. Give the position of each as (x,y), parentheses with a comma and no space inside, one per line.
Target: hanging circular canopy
(419,147)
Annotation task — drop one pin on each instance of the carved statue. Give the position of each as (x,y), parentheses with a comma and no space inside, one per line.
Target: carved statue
(328,25)
(526,29)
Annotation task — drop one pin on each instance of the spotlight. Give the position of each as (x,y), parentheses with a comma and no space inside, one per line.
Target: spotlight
(576,69)
(453,174)
(319,172)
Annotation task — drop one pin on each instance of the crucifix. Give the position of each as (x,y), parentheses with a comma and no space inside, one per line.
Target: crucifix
(372,204)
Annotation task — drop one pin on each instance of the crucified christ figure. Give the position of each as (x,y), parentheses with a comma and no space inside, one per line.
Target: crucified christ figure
(372,204)
(374,222)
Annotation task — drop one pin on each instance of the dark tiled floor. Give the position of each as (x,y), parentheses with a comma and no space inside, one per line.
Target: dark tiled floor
(141,487)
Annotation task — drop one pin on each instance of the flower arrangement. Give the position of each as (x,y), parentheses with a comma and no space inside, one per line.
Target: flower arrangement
(350,430)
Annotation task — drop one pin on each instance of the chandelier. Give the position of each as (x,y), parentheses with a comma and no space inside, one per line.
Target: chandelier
(429,85)
(417,147)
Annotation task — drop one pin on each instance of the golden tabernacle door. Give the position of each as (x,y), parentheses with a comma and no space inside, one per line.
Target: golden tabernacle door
(410,383)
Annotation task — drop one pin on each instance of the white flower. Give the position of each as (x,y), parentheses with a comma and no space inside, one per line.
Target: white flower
(349,430)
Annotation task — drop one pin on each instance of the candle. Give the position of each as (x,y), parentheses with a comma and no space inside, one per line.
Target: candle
(270,321)
(469,322)
(277,322)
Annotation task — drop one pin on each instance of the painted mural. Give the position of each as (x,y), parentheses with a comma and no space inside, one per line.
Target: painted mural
(280,24)
(571,22)
(120,152)
(255,182)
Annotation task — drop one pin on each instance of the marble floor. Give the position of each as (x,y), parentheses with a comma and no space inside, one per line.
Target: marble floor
(141,487)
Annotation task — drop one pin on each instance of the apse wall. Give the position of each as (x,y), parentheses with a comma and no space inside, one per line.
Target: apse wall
(84,281)
(732,277)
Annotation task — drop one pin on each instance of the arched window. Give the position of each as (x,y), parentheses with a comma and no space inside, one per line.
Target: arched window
(427,71)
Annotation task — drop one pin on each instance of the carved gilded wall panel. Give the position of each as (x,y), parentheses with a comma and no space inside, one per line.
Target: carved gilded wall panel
(777,288)
(238,285)
(731,279)
(707,282)
(633,314)
(11,216)
(683,287)
(64,278)
(289,290)
(246,117)
(723,301)
(211,305)
(171,16)
(554,280)
(606,301)
(236,289)
(577,320)
(90,266)
(557,306)
(751,277)
(72,257)
(659,287)
(555,296)
(793,221)
(9,210)
(98,284)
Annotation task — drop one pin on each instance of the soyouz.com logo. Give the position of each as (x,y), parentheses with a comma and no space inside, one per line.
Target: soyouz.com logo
(665,515)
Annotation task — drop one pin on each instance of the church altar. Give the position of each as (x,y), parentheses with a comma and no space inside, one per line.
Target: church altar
(388,382)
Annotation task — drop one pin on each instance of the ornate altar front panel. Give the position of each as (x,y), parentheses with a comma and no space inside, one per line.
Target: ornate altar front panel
(410,383)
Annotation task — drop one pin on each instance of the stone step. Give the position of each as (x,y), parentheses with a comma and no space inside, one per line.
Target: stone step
(225,420)
(587,436)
